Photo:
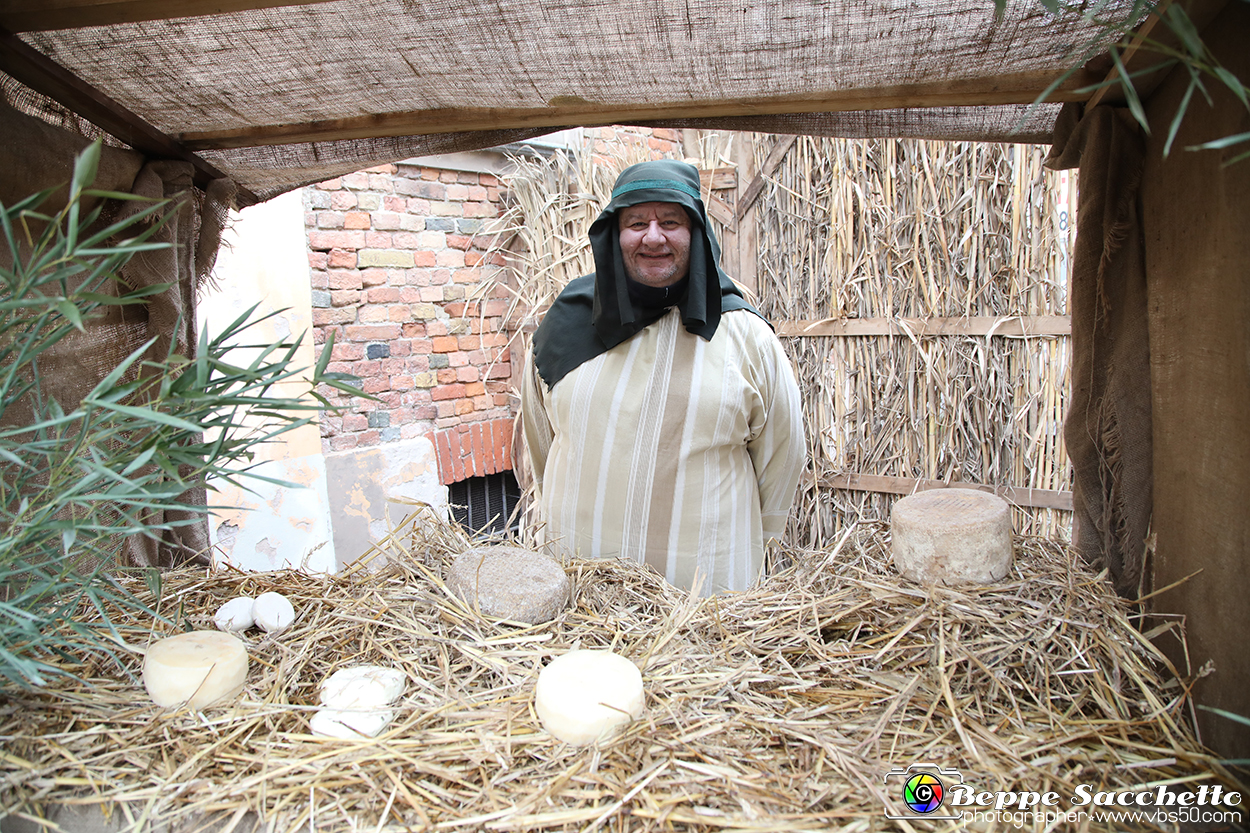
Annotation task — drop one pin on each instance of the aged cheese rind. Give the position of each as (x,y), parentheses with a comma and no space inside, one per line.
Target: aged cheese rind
(586,696)
(510,583)
(952,536)
(199,669)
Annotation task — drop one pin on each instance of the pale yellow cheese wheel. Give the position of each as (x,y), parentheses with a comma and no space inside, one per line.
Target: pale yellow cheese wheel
(199,669)
(585,696)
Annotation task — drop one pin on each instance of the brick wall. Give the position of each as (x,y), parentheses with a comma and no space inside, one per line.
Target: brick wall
(396,253)
(398,261)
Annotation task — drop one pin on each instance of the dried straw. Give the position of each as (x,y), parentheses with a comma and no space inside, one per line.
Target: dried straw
(781,708)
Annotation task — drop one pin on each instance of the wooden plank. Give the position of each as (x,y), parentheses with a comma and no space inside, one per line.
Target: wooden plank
(753,191)
(1016,326)
(718,179)
(1019,496)
(745,240)
(45,76)
(1014,89)
(49,15)
(719,210)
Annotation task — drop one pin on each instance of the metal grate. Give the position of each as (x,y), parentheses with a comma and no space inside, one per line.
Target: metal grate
(483,505)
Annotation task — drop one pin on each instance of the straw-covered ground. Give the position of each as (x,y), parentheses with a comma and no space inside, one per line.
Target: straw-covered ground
(785,708)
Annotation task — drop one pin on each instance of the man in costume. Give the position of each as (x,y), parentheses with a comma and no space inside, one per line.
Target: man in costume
(661,414)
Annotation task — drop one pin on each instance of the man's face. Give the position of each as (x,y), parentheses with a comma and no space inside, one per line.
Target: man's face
(655,242)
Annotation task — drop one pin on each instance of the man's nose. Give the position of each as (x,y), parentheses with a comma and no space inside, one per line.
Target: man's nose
(653,234)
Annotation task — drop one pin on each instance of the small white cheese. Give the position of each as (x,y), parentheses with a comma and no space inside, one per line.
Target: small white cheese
(350,725)
(362,687)
(586,696)
(199,668)
(273,612)
(235,616)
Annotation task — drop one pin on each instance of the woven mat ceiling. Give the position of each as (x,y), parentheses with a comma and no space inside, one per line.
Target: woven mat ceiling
(285,94)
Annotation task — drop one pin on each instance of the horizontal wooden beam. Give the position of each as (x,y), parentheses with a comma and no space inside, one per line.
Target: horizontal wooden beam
(1015,326)
(48,15)
(45,76)
(1030,498)
(1022,88)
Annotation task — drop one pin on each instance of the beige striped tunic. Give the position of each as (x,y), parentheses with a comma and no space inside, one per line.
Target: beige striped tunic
(670,450)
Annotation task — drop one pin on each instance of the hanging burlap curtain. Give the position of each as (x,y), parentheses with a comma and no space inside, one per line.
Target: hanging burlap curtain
(41,156)
(1108,428)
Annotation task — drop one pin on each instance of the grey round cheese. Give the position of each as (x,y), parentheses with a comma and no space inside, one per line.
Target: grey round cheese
(510,583)
(951,536)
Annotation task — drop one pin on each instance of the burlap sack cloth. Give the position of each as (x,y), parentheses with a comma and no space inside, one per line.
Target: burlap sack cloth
(39,156)
(1108,427)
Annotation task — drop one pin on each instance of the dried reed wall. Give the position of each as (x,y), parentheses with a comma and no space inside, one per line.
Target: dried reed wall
(871,236)
(945,232)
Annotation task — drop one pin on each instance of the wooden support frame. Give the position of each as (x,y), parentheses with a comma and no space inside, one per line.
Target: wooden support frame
(1023,497)
(49,15)
(1025,326)
(43,75)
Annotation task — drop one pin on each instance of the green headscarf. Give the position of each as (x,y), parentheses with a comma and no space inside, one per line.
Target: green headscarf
(595,312)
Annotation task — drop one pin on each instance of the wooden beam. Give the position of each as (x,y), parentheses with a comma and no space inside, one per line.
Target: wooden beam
(756,186)
(45,76)
(1031,498)
(49,15)
(718,179)
(1015,326)
(1021,88)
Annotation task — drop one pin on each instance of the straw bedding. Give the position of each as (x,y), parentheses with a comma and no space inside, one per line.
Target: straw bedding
(780,708)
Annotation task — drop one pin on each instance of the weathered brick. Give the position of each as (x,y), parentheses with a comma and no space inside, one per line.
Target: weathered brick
(394,258)
(423,258)
(325,317)
(371,332)
(374,277)
(344,297)
(346,351)
(346,442)
(424,311)
(464,406)
(457,359)
(358,181)
(472,259)
(396,204)
(424,380)
(448,209)
(446,376)
(448,392)
(457,191)
(343,279)
(355,422)
(474,389)
(316,198)
(468,374)
(368,202)
(477,193)
(399,313)
(331,184)
(375,384)
(386,220)
(411,222)
(466,275)
(421,188)
(326,240)
(373,314)
(378,240)
(356,220)
(341,259)
(444,344)
(381,182)
(406,240)
(320,298)
(431,294)
(342,200)
(402,383)
(382,295)
(330,219)
(450,258)
(478,209)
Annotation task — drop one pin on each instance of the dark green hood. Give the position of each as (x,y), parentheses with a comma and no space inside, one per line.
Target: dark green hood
(595,312)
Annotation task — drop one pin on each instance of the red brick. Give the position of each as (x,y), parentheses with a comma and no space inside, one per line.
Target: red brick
(401,383)
(344,297)
(343,443)
(468,374)
(458,241)
(356,220)
(478,451)
(375,384)
(331,184)
(355,422)
(322,317)
(342,200)
(446,376)
(346,352)
(457,458)
(448,392)
(326,240)
(373,277)
(472,388)
(443,344)
(382,295)
(378,240)
(464,406)
(423,258)
(317,260)
(446,408)
(341,259)
(397,204)
(376,332)
(469,342)
(472,258)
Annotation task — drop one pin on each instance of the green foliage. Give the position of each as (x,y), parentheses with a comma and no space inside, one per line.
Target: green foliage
(1185,49)
(77,477)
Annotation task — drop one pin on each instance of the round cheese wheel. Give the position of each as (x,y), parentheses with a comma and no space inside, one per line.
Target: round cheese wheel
(273,613)
(362,687)
(586,696)
(510,583)
(199,669)
(235,615)
(951,536)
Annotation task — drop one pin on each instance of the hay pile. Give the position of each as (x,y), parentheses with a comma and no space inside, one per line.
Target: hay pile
(782,708)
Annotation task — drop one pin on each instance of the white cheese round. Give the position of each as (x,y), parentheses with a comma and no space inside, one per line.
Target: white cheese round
(586,696)
(350,725)
(235,616)
(199,669)
(510,583)
(362,687)
(273,613)
(951,536)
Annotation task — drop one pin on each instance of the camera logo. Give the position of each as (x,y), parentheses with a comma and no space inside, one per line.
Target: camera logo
(919,792)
